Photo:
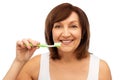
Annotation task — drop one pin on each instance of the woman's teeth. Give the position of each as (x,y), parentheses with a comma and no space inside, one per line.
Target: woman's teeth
(66,41)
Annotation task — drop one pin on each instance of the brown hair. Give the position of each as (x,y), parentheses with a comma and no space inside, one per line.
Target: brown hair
(60,13)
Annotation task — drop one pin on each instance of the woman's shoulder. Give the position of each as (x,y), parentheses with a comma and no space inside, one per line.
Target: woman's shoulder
(104,71)
(36,59)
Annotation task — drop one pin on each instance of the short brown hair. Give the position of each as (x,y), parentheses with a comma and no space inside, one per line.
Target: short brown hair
(60,13)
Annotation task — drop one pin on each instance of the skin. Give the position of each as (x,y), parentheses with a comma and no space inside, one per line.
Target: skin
(68,32)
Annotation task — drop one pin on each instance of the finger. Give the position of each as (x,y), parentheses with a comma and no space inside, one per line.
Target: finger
(20,44)
(34,43)
(26,43)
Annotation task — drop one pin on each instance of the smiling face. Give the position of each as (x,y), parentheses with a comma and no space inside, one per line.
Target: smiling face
(68,32)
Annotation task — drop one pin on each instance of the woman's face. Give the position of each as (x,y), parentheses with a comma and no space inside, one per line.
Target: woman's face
(68,32)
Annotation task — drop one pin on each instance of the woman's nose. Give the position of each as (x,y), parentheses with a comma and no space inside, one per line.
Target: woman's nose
(66,32)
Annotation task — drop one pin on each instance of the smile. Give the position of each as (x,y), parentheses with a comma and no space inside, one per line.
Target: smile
(66,42)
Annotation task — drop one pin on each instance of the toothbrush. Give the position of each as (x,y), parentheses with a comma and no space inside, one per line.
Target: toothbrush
(58,44)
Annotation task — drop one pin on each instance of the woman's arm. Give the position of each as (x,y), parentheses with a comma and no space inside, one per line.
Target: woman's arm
(14,70)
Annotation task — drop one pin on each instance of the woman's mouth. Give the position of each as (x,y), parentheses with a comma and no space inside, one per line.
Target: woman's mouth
(66,42)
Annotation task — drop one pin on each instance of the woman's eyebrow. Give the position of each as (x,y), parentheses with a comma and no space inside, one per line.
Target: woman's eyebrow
(75,21)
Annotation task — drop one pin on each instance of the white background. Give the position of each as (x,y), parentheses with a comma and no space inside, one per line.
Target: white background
(25,19)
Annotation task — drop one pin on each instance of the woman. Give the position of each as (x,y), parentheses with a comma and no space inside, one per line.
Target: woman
(69,25)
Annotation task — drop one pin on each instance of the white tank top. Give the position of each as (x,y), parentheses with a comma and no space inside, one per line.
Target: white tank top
(44,73)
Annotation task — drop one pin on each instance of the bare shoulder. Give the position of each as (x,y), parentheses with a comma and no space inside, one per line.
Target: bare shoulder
(105,73)
(30,70)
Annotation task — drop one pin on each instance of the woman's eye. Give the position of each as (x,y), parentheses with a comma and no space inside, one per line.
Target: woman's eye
(57,26)
(74,26)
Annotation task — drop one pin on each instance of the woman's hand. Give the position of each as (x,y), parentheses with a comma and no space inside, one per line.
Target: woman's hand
(25,49)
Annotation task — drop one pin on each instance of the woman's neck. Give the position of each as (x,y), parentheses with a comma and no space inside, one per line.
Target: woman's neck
(67,56)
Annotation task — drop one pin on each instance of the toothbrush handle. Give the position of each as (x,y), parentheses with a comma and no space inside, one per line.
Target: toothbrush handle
(42,45)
